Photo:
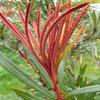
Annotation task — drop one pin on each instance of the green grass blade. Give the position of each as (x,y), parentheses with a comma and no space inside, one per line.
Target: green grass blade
(12,68)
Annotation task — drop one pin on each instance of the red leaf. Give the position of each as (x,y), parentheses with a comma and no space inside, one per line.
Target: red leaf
(66,39)
(14,29)
(54,23)
(30,33)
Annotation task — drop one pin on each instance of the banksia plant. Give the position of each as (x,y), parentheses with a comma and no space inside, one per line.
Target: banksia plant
(47,47)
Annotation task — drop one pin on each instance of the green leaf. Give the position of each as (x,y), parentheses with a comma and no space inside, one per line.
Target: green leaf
(12,68)
(69,79)
(90,19)
(88,89)
(61,75)
(10,96)
(94,19)
(67,89)
(26,95)
(42,71)
(80,80)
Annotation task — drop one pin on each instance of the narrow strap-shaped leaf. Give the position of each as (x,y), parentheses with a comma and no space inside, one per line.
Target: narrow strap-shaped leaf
(40,69)
(12,68)
(26,27)
(61,75)
(66,39)
(94,18)
(88,89)
(38,23)
(26,95)
(49,40)
(53,33)
(73,42)
(27,35)
(30,33)
(55,16)
(35,27)
(67,25)
(53,36)
(58,19)
(42,36)
(56,46)
(14,29)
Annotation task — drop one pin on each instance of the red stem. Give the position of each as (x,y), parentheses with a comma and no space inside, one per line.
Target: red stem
(56,86)
(58,92)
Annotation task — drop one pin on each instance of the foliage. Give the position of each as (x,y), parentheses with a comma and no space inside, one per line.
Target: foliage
(45,54)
